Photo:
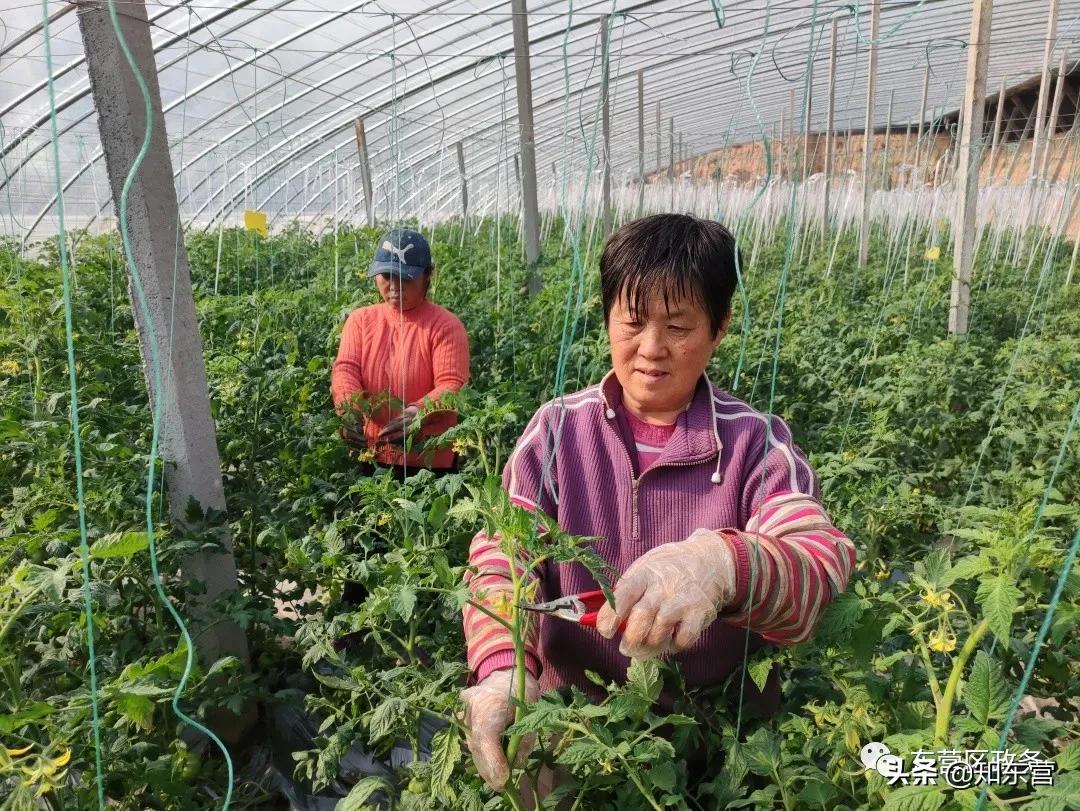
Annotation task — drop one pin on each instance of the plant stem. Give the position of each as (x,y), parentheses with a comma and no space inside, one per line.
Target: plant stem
(29,598)
(519,665)
(944,710)
(511,797)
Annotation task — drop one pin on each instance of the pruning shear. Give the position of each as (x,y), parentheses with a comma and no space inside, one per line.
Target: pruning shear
(579,608)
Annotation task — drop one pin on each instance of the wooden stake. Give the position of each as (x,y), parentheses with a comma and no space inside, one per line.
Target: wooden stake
(365,172)
(605,117)
(970,145)
(464,182)
(868,130)
(888,133)
(1051,126)
(1044,86)
(641,140)
(999,113)
(922,115)
(830,133)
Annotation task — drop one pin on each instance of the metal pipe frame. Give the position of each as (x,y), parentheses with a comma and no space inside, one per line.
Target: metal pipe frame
(667,84)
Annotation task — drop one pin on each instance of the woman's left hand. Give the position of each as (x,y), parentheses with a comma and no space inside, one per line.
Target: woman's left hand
(400,425)
(670,595)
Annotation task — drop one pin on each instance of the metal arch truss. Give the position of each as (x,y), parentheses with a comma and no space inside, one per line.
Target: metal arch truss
(666,81)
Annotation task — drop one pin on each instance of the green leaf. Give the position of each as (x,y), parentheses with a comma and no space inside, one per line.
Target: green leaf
(1068,759)
(816,794)
(136,708)
(998,597)
(361,793)
(643,677)
(119,545)
(915,798)
(985,694)
(762,752)
(542,714)
(405,602)
(1042,803)
(583,751)
(436,516)
(842,615)
(966,800)
(386,716)
(445,754)
(662,776)
(28,715)
(1034,732)
(760,669)
(966,568)
(333,543)
(934,567)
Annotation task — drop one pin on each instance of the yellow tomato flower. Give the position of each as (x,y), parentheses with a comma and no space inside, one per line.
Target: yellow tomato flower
(459,446)
(941,600)
(18,752)
(882,572)
(942,641)
(502,604)
(384,519)
(9,367)
(934,253)
(366,456)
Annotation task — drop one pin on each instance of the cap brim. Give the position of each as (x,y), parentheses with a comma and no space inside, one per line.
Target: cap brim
(409,272)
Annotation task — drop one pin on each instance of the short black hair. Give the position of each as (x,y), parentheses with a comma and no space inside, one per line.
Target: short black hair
(671,256)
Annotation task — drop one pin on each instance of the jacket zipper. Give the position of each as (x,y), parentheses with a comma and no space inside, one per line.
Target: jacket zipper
(635,527)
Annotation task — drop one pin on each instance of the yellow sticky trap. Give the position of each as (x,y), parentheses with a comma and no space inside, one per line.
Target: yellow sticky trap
(933,254)
(255,221)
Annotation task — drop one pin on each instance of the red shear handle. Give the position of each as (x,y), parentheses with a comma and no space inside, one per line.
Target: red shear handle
(594,600)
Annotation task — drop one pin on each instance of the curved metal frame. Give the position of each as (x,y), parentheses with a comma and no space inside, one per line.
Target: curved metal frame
(666,79)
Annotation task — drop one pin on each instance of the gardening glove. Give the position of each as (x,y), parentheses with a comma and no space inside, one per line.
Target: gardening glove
(401,425)
(489,710)
(670,595)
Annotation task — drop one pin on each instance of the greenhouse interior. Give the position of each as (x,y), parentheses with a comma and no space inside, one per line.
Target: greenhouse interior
(553,405)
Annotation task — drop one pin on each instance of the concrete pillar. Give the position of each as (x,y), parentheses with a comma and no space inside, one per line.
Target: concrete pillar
(188,444)
(523,78)
(464,183)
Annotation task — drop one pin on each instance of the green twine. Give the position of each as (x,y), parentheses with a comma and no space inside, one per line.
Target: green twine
(73,387)
(158,398)
(1040,638)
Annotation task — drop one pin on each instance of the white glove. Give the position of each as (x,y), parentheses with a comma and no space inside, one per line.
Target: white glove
(670,595)
(401,425)
(489,710)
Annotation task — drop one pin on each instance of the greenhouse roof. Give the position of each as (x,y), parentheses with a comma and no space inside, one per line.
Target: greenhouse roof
(261,96)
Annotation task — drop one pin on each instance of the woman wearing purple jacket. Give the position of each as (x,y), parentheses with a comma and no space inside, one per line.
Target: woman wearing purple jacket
(688,489)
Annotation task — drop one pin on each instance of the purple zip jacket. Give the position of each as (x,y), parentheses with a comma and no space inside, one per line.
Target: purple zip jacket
(723,469)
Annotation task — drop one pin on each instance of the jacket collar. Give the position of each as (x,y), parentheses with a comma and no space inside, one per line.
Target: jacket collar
(695,439)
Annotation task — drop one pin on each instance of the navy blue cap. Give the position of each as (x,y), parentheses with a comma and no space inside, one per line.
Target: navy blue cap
(403,252)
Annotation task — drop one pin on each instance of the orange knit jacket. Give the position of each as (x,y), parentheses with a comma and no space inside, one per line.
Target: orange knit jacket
(413,356)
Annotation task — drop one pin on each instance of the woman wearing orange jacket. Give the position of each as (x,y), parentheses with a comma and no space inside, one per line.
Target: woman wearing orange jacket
(396,356)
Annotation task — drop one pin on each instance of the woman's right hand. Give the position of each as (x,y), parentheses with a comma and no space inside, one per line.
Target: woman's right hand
(489,710)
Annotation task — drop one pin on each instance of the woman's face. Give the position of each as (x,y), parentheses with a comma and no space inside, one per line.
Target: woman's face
(659,360)
(402,294)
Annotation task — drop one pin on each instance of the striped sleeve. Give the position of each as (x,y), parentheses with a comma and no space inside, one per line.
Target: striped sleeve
(791,560)
(488,644)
